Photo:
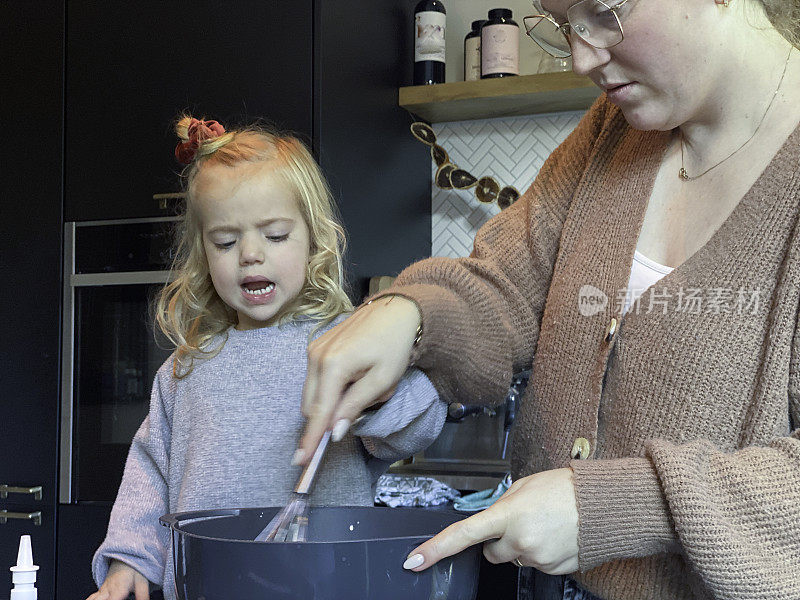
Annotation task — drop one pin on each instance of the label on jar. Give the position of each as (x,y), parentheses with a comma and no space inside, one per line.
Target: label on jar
(472,58)
(429,36)
(500,49)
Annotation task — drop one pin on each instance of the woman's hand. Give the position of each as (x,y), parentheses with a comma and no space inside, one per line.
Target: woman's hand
(121,581)
(535,522)
(355,365)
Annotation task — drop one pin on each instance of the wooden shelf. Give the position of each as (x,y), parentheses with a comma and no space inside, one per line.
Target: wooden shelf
(501,97)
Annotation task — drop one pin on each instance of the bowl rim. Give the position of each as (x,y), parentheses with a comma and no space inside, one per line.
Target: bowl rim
(174,520)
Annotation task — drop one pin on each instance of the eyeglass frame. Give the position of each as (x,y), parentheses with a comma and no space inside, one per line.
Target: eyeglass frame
(566,28)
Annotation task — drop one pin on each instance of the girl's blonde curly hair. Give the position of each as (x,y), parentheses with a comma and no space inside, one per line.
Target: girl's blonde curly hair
(188,310)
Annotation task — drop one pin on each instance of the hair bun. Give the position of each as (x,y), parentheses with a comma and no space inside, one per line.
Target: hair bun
(197,132)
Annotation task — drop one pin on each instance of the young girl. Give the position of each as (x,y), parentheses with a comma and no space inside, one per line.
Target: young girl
(258,274)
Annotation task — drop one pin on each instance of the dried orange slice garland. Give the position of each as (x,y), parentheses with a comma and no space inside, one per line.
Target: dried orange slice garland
(450,177)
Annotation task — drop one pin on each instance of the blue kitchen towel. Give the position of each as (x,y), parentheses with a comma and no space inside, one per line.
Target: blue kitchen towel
(484,499)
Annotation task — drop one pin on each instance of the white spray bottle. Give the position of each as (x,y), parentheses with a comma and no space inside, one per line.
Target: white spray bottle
(23,575)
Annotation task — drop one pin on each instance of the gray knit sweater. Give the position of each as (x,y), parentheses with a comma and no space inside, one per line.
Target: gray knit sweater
(688,416)
(224,436)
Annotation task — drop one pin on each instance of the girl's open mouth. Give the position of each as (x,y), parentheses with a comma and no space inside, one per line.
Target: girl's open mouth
(258,292)
(258,287)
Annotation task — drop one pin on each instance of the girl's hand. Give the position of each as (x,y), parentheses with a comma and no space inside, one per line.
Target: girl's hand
(354,365)
(121,581)
(535,522)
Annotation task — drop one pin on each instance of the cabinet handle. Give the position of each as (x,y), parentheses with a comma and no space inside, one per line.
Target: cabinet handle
(162,199)
(5,490)
(35,516)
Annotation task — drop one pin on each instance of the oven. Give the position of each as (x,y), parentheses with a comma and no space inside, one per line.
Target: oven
(110,352)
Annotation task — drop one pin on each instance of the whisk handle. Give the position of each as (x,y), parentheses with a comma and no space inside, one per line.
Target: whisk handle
(307,478)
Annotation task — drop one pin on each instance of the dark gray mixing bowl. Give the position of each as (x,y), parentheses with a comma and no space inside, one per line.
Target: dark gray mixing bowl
(354,553)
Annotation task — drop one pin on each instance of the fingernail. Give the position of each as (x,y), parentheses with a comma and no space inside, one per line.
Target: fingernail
(341,427)
(412,562)
(298,457)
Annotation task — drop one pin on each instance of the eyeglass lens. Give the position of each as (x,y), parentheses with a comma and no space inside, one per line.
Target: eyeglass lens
(548,36)
(593,20)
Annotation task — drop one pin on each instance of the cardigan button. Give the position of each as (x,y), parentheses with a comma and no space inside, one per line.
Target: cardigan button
(581,448)
(611,331)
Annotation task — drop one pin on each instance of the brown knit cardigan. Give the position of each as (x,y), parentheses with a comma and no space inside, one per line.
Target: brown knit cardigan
(688,476)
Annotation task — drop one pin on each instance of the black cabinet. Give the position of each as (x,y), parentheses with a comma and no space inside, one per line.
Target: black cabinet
(379,173)
(30,271)
(326,69)
(132,67)
(96,89)
(81,530)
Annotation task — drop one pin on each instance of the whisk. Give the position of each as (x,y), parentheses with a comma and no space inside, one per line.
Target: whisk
(291,523)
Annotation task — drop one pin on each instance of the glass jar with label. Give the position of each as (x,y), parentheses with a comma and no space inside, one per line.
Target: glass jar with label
(429,42)
(472,52)
(499,45)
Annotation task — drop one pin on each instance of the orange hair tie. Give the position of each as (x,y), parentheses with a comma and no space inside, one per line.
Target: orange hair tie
(197,131)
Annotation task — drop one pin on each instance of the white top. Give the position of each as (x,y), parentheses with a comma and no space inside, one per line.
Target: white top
(644,273)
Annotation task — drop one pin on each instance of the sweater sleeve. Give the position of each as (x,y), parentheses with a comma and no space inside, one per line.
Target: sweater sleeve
(134,535)
(407,423)
(481,314)
(734,515)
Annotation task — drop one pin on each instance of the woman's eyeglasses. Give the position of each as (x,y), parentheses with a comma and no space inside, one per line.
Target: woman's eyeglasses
(596,22)
(449,176)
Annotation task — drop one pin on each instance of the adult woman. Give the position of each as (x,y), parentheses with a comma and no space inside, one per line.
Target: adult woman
(688,407)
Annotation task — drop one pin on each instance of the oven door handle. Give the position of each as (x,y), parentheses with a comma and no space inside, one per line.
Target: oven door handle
(129,278)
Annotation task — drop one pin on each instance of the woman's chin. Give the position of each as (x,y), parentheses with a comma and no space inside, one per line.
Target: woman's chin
(641,118)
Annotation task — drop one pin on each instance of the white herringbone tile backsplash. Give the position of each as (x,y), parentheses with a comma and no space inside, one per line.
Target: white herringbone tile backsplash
(512,150)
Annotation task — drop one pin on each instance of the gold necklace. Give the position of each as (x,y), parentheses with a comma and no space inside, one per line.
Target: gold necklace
(683,175)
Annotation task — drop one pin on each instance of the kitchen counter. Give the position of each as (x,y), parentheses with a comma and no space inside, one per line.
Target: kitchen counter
(464,477)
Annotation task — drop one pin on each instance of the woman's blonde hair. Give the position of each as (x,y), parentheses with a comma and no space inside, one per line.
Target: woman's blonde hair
(188,310)
(785,18)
